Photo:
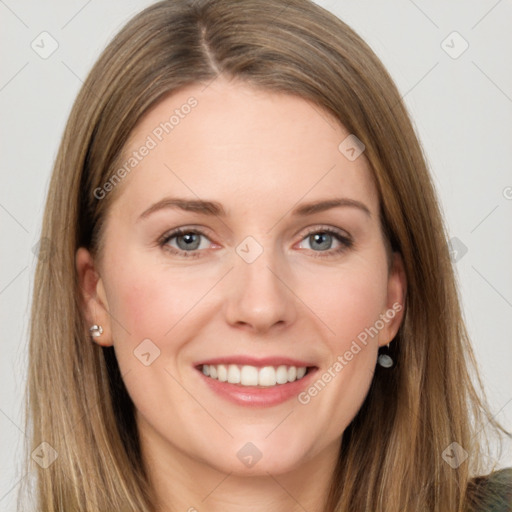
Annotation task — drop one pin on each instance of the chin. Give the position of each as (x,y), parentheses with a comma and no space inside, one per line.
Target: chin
(261,468)
(258,458)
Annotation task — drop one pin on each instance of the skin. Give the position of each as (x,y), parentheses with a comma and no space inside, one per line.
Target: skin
(260,154)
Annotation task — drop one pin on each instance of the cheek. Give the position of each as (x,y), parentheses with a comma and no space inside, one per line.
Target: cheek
(354,301)
(351,309)
(147,301)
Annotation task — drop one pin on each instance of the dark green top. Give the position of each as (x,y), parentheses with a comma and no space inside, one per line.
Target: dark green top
(496,491)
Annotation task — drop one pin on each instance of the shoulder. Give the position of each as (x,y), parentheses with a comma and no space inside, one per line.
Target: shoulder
(493,492)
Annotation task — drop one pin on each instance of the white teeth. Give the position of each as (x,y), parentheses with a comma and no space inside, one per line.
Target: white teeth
(282,374)
(233,374)
(247,375)
(222,373)
(267,376)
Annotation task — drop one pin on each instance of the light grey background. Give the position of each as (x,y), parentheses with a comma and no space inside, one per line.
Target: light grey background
(462,109)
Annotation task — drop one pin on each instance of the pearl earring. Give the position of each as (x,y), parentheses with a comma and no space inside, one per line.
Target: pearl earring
(96,330)
(385,360)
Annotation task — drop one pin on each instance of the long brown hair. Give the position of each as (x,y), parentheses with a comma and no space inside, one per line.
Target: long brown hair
(392,453)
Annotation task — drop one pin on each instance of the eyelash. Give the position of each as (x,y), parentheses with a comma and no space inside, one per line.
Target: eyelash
(346,242)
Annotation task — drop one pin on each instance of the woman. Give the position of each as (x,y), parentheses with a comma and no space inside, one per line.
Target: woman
(191,346)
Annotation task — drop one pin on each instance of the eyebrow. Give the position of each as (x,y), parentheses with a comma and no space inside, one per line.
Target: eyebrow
(213,208)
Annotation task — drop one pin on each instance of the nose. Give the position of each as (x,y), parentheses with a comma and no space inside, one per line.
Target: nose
(258,295)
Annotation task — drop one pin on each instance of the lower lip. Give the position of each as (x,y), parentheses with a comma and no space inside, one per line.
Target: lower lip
(254,396)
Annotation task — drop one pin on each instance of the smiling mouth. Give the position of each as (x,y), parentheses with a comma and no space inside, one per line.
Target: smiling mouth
(247,375)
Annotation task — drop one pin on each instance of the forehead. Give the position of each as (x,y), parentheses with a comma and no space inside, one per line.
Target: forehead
(242,146)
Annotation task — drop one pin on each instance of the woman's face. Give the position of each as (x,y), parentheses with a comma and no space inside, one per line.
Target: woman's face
(257,286)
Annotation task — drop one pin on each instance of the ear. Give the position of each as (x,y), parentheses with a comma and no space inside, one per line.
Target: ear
(94,299)
(396,294)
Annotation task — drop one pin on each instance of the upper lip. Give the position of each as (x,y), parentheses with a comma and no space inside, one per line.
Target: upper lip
(259,362)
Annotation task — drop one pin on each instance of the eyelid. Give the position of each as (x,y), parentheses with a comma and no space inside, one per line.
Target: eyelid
(162,241)
(344,238)
(324,227)
(183,229)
